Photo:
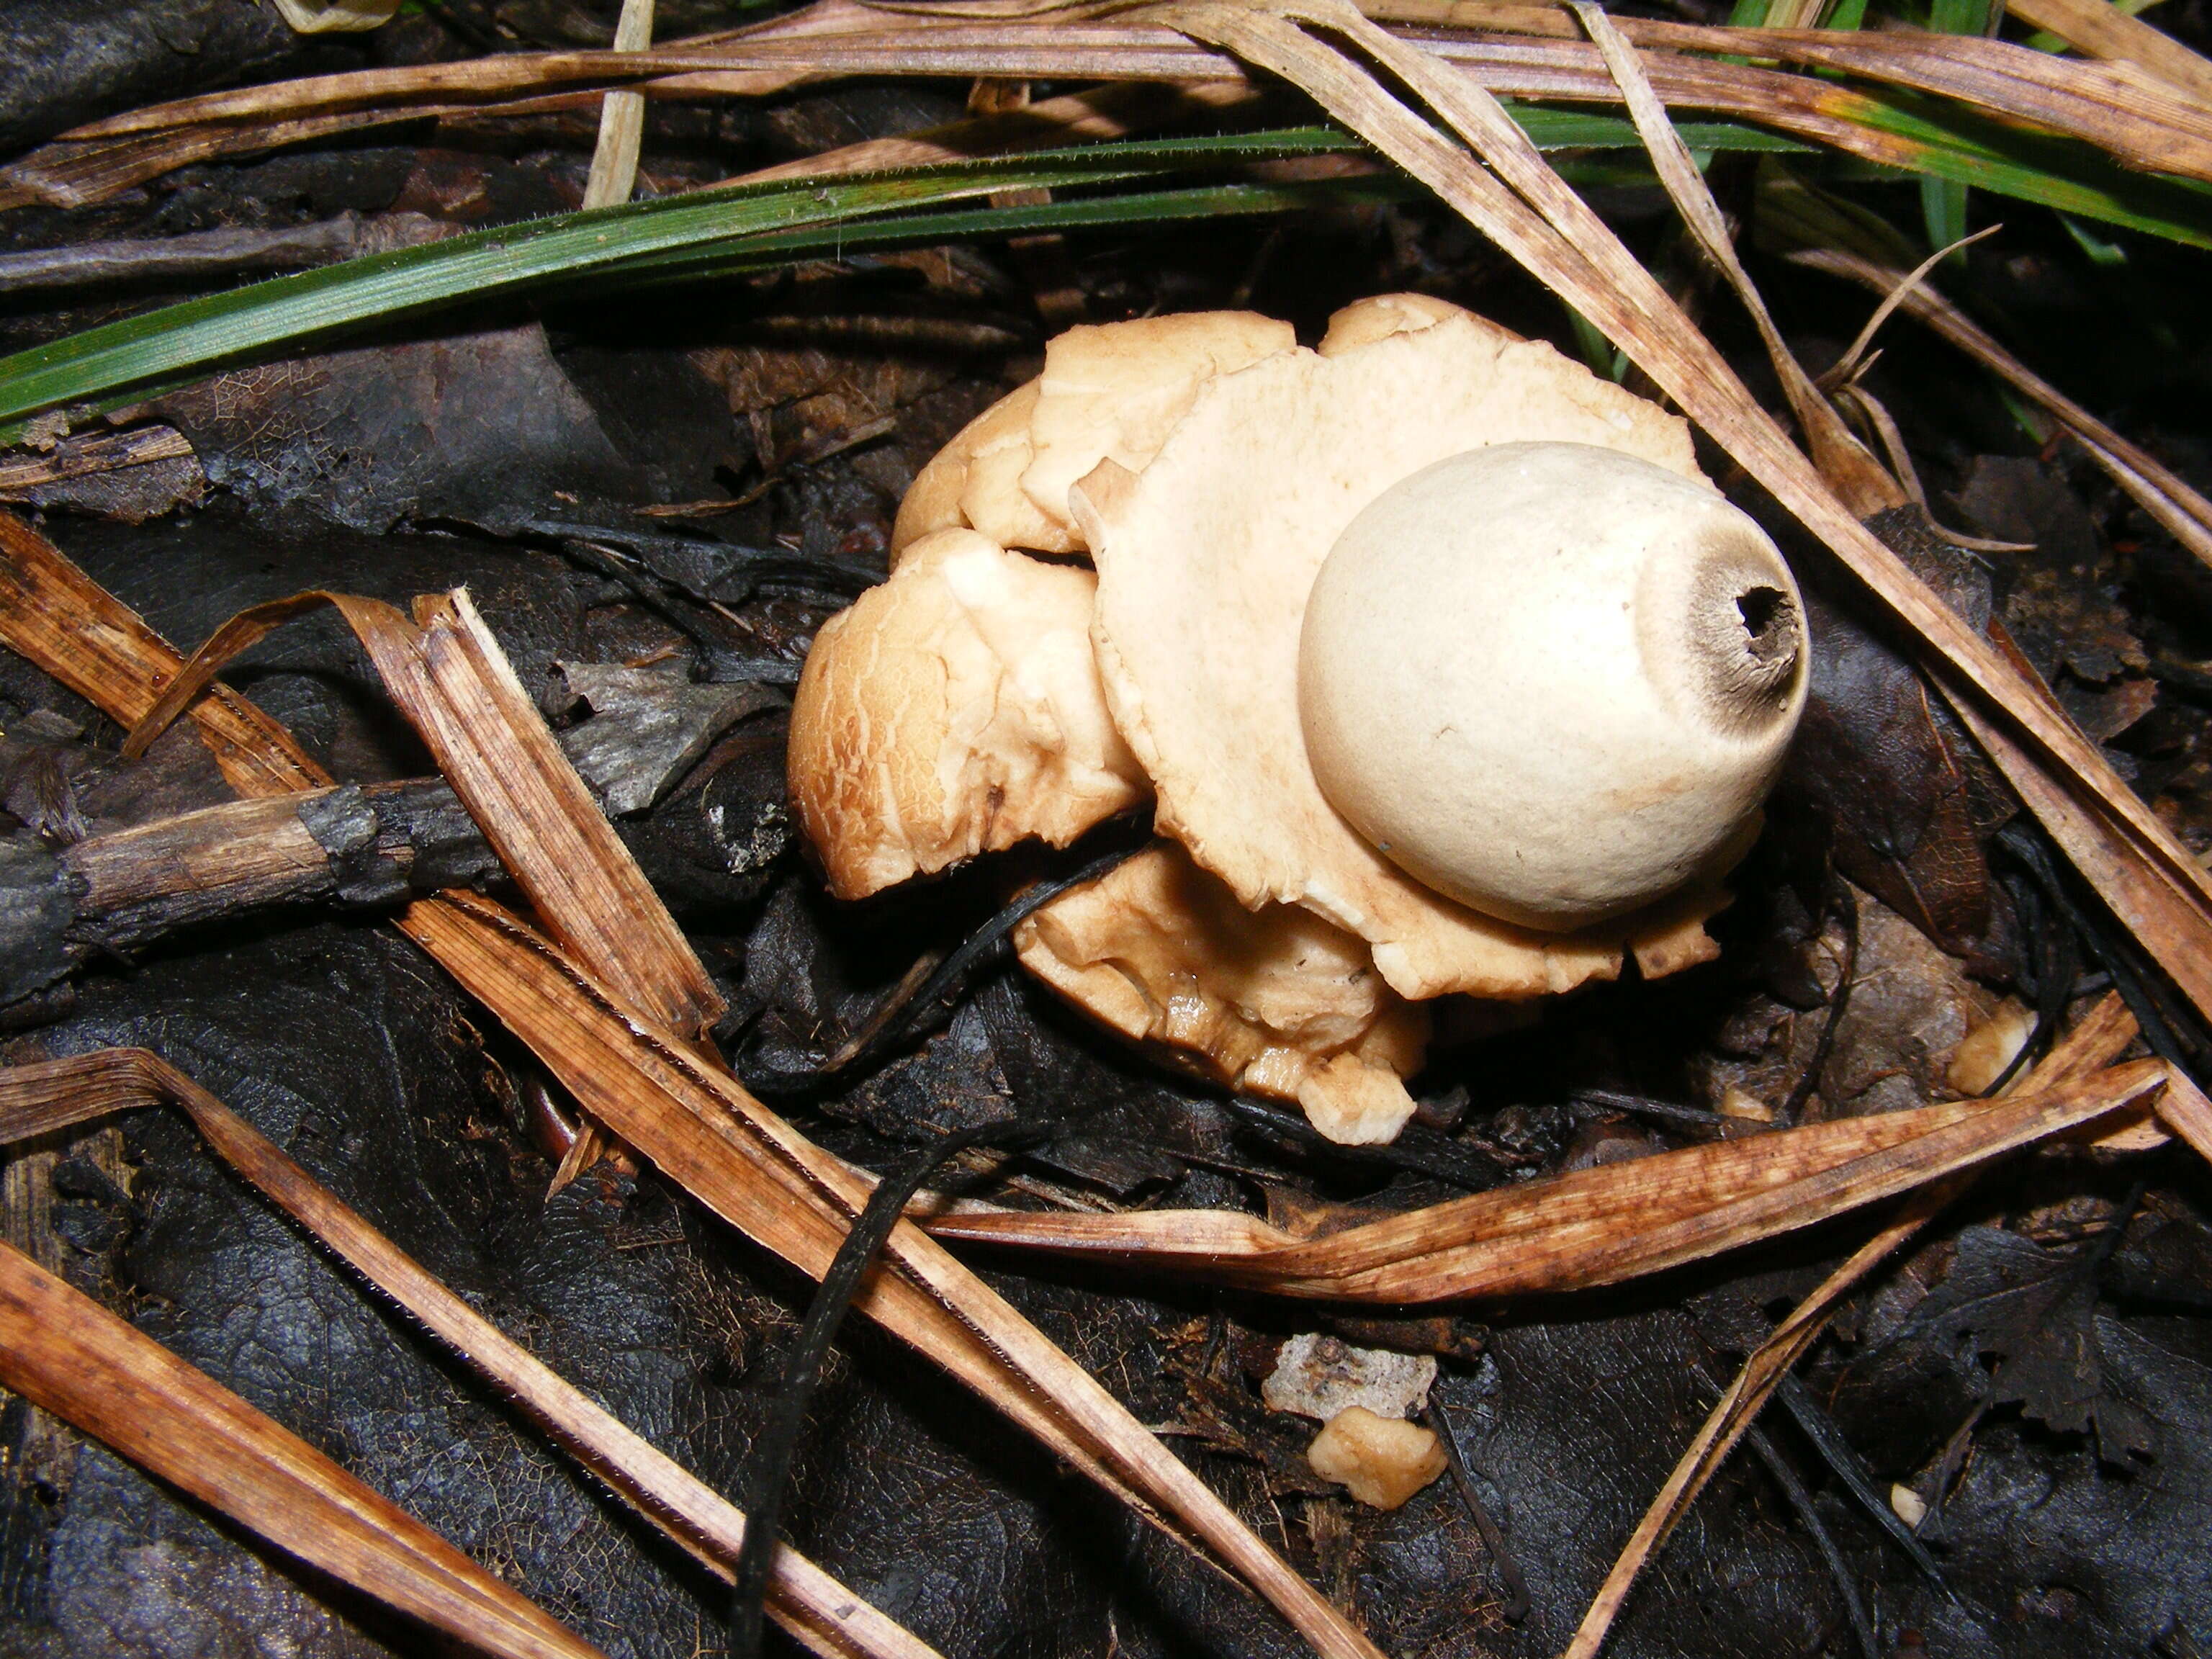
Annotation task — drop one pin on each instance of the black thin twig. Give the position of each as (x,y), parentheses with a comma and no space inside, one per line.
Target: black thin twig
(2057,949)
(777,1445)
(2171,1033)
(1827,1439)
(915,998)
(1802,1500)
(1416,1151)
(1515,1607)
(1666,1111)
(1847,911)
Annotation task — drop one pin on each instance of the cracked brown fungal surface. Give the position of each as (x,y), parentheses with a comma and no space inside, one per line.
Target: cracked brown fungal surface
(1207,466)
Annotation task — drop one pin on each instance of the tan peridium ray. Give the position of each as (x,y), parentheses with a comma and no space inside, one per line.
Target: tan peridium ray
(1593,1227)
(64,1353)
(1855,476)
(2101,1037)
(749,1167)
(815,1608)
(713,1139)
(456,687)
(2181,511)
(1560,239)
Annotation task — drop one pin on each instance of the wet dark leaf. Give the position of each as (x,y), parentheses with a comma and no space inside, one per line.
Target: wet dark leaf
(2035,1310)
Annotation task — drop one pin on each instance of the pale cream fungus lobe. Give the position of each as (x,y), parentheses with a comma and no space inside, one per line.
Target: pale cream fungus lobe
(1209,466)
(951,711)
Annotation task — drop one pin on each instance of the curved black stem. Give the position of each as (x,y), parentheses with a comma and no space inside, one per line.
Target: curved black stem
(778,1442)
(1416,1151)
(1515,1607)
(2172,1033)
(1827,1439)
(894,1019)
(1847,908)
(1839,1569)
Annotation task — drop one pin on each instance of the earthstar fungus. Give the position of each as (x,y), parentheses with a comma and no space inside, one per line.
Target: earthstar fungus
(1445,671)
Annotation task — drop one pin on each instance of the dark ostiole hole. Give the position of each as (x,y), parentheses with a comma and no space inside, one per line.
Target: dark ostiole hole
(1760,609)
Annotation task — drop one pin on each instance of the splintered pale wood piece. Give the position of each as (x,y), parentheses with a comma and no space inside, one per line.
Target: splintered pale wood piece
(62,1350)
(815,1608)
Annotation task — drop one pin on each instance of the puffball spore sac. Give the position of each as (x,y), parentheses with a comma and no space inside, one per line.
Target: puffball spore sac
(1549,680)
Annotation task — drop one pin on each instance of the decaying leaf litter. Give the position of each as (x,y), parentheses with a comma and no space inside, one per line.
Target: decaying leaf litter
(1897,803)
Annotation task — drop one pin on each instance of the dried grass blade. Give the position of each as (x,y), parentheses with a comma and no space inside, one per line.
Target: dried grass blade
(815,1608)
(1561,240)
(62,1350)
(2094,1043)
(1856,478)
(456,687)
(1096,113)
(2183,1109)
(745,1163)
(2184,513)
(1594,1227)
(59,617)
(2102,30)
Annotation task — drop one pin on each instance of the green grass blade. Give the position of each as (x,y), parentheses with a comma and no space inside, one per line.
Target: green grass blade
(220,328)
(1945,141)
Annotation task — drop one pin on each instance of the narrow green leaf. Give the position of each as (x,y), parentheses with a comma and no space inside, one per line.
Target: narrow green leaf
(1943,211)
(1948,142)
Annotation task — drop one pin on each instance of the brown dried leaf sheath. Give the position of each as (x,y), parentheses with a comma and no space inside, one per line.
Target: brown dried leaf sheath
(953,710)
(1205,560)
(1593,1227)
(686,1113)
(61,1350)
(804,1599)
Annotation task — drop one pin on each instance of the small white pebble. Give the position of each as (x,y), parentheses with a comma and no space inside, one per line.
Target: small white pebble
(1319,1376)
(1911,1508)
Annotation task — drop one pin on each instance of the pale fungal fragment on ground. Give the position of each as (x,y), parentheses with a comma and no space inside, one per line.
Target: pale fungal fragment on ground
(1380,1460)
(1546,676)
(1319,1376)
(1989,1046)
